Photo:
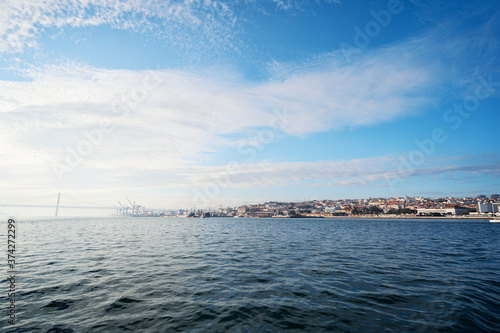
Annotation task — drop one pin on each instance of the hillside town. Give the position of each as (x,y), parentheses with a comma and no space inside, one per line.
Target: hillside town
(480,206)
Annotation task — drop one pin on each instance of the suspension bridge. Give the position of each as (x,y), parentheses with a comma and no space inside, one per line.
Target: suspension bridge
(64,201)
(70,202)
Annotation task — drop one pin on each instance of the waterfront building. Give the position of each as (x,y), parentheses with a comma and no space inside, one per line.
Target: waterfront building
(242,210)
(442,211)
(495,207)
(484,208)
(331,209)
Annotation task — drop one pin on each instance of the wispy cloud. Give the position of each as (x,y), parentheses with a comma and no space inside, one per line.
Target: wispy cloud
(380,88)
(23,21)
(371,172)
(162,135)
(181,23)
(299,4)
(187,113)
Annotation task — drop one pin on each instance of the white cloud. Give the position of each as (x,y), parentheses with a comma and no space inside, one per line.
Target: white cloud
(293,5)
(182,23)
(176,116)
(269,174)
(164,121)
(350,96)
(374,171)
(23,21)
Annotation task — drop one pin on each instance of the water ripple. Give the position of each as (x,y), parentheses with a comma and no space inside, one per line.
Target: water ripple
(217,275)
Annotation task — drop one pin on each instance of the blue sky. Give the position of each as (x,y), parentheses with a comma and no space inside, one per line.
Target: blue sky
(176,103)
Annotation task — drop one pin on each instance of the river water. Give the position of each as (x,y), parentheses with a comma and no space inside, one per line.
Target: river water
(254,275)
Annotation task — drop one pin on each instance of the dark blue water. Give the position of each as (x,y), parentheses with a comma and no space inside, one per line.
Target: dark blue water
(256,275)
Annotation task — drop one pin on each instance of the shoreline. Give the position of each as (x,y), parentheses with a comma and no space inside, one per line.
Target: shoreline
(413,217)
(389,217)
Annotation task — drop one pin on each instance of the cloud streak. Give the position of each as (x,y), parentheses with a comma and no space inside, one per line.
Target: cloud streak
(23,21)
(182,23)
(161,136)
(188,114)
(164,136)
(371,172)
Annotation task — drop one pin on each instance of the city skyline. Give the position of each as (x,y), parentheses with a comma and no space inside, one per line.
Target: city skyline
(184,103)
(68,206)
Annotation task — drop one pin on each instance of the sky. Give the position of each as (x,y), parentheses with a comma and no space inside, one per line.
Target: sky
(174,104)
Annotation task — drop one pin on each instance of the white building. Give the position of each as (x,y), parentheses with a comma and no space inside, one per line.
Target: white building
(331,209)
(441,211)
(495,207)
(483,208)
